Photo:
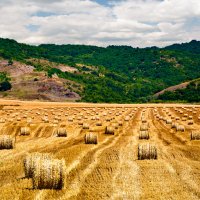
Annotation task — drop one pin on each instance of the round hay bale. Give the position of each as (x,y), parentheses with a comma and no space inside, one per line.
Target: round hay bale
(115,125)
(174,125)
(190,117)
(184,119)
(177,118)
(110,130)
(45,119)
(120,123)
(144,120)
(127,118)
(2,120)
(55,121)
(144,127)
(80,123)
(180,128)
(144,135)
(147,151)
(25,131)
(108,119)
(7,142)
(70,119)
(31,160)
(18,118)
(86,126)
(195,135)
(91,138)
(49,174)
(61,132)
(99,123)
(168,121)
(190,122)
(29,120)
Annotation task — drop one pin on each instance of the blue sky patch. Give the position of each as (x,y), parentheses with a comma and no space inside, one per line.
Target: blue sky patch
(32,27)
(44,14)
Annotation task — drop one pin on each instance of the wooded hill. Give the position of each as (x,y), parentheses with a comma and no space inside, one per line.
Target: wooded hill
(115,74)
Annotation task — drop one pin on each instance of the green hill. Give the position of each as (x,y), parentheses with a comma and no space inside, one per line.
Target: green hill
(189,94)
(120,74)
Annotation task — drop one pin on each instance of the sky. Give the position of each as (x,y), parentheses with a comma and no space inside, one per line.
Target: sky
(137,23)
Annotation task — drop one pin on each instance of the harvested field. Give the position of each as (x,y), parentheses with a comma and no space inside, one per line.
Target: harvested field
(83,151)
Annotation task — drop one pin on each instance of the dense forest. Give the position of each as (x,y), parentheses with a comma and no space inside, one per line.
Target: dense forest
(122,74)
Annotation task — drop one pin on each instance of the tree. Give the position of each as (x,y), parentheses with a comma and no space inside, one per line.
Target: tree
(4,86)
(10,62)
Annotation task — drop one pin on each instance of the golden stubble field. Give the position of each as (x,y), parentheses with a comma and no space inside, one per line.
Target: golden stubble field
(160,135)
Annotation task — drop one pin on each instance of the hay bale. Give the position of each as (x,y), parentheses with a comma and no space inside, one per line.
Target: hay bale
(115,125)
(168,121)
(195,135)
(80,123)
(25,131)
(70,119)
(127,118)
(174,125)
(31,160)
(61,132)
(29,120)
(184,119)
(147,151)
(18,118)
(190,117)
(110,130)
(144,135)
(99,123)
(45,119)
(180,128)
(91,138)
(144,127)
(7,142)
(2,120)
(86,126)
(49,174)
(120,123)
(144,120)
(190,122)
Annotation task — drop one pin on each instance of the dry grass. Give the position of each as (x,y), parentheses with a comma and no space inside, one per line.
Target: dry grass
(109,170)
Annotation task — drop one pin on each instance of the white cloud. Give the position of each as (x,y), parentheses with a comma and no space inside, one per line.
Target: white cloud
(131,22)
